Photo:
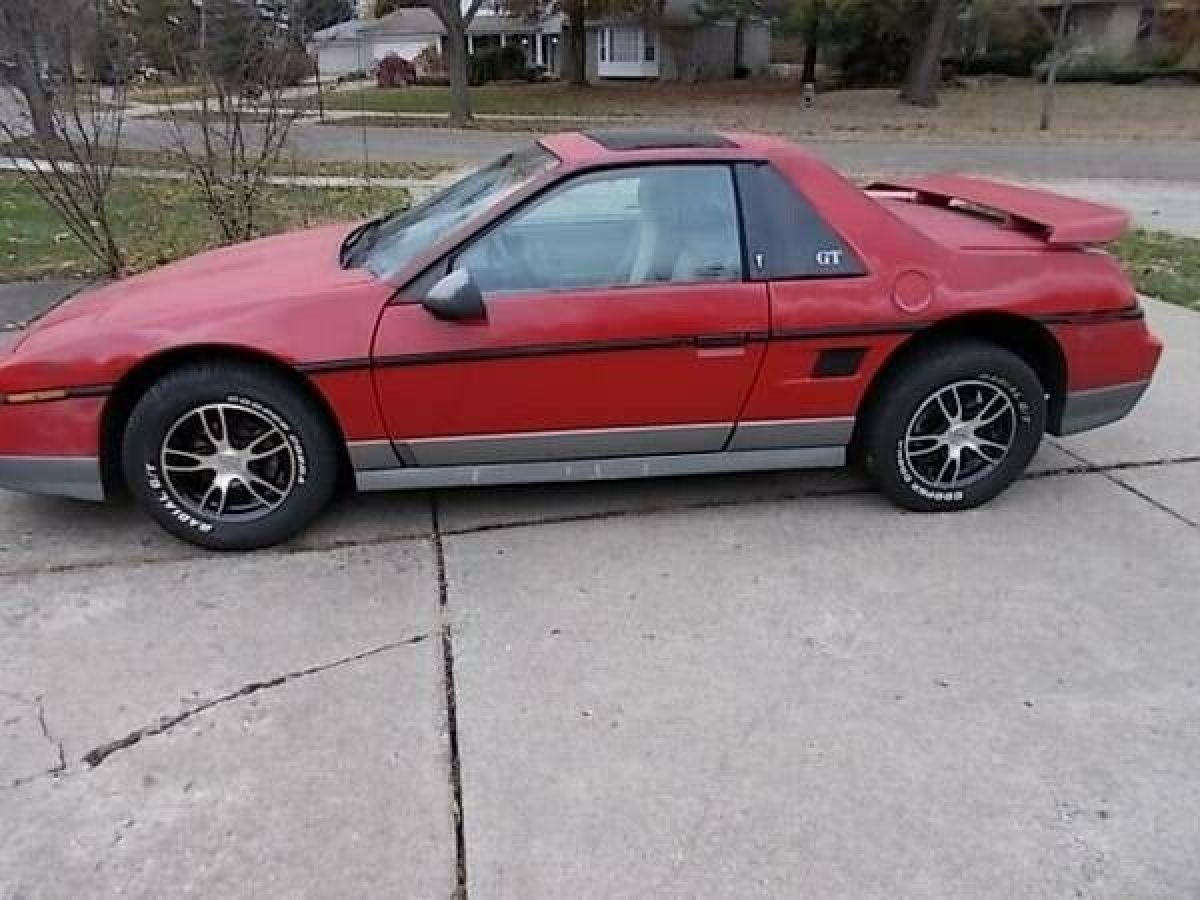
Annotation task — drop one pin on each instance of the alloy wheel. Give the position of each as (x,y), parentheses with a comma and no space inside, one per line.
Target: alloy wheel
(960,434)
(229,463)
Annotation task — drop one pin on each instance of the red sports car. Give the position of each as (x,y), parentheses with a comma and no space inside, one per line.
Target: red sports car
(598,305)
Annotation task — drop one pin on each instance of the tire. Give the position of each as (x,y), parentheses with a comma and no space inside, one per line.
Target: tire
(926,455)
(229,456)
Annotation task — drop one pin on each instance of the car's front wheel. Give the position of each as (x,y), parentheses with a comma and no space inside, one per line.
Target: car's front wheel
(229,456)
(955,427)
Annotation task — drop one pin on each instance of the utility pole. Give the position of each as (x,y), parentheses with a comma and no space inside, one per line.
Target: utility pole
(1060,36)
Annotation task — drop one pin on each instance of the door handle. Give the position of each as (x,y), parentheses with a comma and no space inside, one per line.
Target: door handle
(714,346)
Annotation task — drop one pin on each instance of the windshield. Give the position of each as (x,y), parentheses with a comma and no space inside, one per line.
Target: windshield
(398,239)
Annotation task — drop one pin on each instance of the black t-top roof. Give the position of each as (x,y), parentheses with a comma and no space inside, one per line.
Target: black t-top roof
(657,139)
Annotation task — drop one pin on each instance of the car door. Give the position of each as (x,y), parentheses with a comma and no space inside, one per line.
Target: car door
(619,323)
(819,360)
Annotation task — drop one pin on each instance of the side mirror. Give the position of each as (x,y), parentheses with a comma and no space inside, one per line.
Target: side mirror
(456,298)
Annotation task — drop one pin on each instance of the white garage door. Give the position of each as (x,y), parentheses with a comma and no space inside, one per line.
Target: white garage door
(340,58)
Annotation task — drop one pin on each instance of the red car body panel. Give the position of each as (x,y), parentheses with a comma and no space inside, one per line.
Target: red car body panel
(67,427)
(211,301)
(630,357)
(649,385)
(315,310)
(1119,352)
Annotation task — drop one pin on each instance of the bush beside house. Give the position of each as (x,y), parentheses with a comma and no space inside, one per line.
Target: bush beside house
(395,71)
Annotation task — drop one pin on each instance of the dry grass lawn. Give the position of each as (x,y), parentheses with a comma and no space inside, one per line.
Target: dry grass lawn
(1008,110)
(159,221)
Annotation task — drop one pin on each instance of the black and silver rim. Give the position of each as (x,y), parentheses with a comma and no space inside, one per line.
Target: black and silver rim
(961,434)
(229,463)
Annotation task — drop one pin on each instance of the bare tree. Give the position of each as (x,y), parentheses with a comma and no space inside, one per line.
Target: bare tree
(67,143)
(232,136)
(456,20)
(23,63)
(925,73)
(1056,55)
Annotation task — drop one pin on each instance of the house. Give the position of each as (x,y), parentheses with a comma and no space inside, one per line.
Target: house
(681,46)
(360,44)
(1114,27)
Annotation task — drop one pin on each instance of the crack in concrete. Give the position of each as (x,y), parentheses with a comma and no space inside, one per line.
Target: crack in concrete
(59,768)
(659,509)
(1109,473)
(1084,468)
(456,789)
(99,754)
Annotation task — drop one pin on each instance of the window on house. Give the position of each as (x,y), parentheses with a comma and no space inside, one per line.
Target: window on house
(626,45)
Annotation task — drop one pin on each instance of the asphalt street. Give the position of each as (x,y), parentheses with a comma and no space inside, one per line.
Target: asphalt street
(1162,160)
(762,685)
(1158,182)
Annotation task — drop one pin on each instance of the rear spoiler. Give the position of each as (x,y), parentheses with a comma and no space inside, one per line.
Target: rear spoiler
(1059,220)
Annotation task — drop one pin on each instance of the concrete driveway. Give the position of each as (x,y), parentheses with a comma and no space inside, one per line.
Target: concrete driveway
(770,686)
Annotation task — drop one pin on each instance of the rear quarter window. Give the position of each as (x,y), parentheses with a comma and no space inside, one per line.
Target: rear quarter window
(785,235)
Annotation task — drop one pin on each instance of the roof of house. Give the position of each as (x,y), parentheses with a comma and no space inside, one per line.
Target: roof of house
(342,31)
(507,24)
(419,21)
(410,20)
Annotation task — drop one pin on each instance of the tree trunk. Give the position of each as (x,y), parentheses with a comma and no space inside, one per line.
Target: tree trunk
(739,29)
(27,80)
(456,62)
(577,43)
(926,71)
(812,42)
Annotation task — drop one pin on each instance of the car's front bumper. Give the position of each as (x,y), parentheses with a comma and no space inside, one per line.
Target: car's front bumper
(52,447)
(61,476)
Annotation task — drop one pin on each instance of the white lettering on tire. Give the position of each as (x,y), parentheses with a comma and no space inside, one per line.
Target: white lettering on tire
(159,491)
(297,446)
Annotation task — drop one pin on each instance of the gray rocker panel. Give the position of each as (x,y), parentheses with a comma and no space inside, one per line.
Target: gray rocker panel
(556,446)
(605,469)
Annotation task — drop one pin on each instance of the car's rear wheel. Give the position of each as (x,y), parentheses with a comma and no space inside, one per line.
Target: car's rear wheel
(955,427)
(229,456)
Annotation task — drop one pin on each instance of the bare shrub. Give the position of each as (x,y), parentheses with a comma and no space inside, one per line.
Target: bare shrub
(231,134)
(66,138)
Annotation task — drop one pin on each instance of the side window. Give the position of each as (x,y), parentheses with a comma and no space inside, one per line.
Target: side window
(786,237)
(623,227)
